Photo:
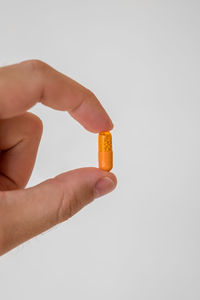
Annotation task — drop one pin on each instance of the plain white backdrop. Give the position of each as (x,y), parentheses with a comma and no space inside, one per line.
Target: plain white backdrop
(142,60)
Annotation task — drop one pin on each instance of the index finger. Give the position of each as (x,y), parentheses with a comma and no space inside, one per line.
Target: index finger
(23,85)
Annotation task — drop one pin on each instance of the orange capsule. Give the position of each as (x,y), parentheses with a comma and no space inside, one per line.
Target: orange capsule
(105,151)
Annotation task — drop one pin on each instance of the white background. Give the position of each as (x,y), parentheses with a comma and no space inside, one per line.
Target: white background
(141,59)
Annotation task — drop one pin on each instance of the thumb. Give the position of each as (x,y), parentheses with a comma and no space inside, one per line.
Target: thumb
(26,213)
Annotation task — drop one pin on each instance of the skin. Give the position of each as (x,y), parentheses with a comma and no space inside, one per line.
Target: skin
(25,213)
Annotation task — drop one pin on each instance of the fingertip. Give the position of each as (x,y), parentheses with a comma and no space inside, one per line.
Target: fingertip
(92,116)
(113,177)
(107,124)
(111,125)
(98,125)
(104,185)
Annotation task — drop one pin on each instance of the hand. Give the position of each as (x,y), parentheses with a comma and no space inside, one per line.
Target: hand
(25,213)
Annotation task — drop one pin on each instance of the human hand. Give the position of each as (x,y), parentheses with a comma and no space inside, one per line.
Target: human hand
(25,213)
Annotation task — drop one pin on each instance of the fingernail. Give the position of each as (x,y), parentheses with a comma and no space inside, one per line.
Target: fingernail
(104,186)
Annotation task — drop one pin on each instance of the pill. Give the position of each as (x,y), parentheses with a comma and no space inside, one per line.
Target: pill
(105,151)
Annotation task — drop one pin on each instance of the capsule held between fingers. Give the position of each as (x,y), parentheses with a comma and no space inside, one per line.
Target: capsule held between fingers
(105,151)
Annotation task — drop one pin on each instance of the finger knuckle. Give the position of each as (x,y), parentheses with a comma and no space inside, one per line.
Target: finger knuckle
(90,94)
(34,125)
(85,96)
(34,65)
(67,205)
(72,201)
(69,202)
